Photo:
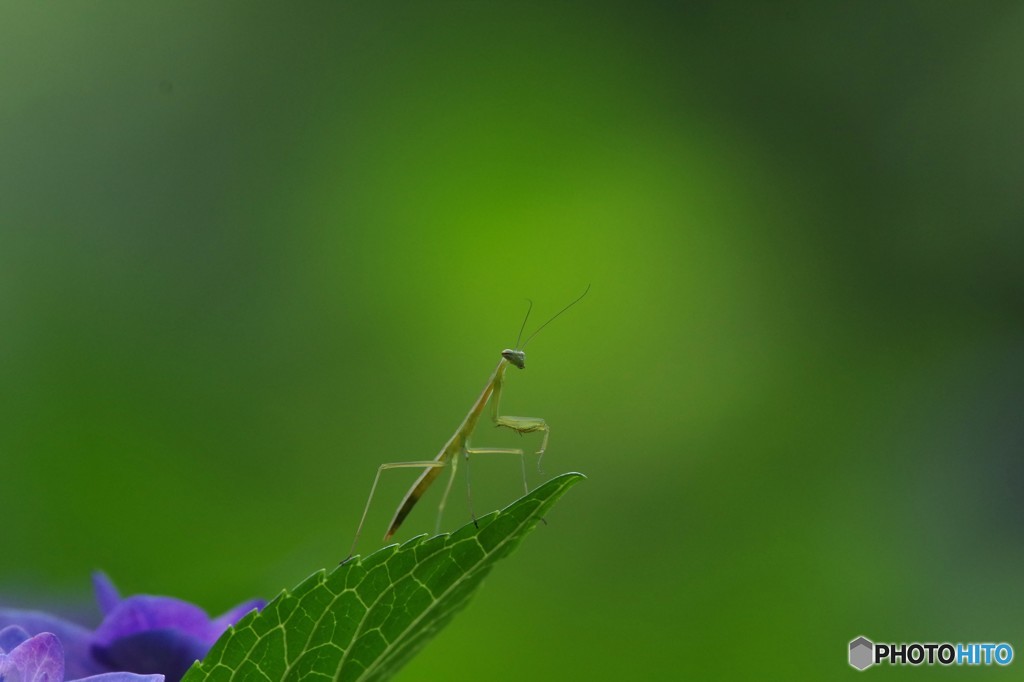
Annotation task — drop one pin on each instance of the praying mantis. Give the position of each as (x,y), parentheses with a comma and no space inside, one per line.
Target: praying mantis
(459,444)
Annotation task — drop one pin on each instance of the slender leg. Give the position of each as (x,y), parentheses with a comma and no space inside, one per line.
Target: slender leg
(519,424)
(528,425)
(444,498)
(495,451)
(392,465)
(504,451)
(492,451)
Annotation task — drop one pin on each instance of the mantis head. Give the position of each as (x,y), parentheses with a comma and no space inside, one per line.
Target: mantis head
(516,357)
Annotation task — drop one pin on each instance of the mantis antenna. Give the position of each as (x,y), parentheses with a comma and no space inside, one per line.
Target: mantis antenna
(552,317)
(519,338)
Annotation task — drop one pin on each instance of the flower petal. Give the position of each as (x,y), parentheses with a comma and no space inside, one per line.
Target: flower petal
(167,651)
(78,661)
(143,612)
(106,594)
(122,677)
(11,636)
(39,659)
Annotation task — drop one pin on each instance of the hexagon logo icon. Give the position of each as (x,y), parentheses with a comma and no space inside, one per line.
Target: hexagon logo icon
(862,652)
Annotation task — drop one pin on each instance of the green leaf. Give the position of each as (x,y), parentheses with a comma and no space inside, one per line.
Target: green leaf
(366,618)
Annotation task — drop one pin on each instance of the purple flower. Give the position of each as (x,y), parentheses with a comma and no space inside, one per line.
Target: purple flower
(41,659)
(141,634)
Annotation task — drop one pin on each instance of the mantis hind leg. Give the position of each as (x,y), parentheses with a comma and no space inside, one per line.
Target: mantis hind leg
(430,467)
(444,498)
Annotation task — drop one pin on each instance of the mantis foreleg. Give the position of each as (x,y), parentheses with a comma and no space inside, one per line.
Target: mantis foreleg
(519,424)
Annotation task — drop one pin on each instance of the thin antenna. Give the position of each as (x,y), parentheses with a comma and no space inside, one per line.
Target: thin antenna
(555,315)
(524,323)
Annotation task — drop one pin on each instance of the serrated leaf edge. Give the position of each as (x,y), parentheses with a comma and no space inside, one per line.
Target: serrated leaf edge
(564,481)
(559,484)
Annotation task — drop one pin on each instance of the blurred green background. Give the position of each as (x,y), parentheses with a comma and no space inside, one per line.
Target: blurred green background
(248,253)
